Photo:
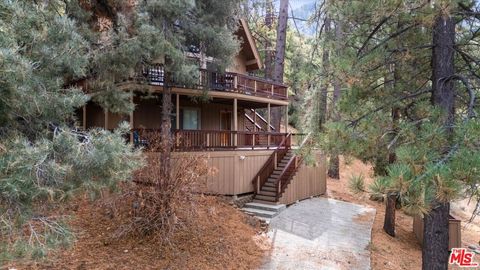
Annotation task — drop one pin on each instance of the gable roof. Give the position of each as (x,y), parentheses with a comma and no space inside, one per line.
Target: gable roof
(249,48)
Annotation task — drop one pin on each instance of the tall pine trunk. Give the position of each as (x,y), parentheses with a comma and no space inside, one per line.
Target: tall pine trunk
(322,117)
(280,57)
(269,16)
(334,166)
(435,236)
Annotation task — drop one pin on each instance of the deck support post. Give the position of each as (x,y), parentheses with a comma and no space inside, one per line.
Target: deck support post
(105,122)
(177,118)
(268,125)
(258,184)
(84,117)
(286,119)
(255,86)
(177,112)
(235,122)
(131,118)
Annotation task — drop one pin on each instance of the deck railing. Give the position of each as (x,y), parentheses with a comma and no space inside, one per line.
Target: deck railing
(198,140)
(227,81)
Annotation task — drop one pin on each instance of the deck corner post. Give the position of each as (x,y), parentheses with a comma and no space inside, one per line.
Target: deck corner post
(84,117)
(235,122)
(177,112)
(105,122)
(268,125)
(258,184)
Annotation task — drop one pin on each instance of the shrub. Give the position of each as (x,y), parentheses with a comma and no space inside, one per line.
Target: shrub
(356,183)
(157,202)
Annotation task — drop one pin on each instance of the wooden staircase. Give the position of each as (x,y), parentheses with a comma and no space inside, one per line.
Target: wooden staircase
(277,172)
(268,191)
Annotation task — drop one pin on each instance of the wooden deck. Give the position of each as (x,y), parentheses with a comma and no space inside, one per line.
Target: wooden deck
(224,82)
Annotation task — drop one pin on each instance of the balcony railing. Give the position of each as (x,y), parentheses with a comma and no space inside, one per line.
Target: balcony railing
(204,140)
(228,81)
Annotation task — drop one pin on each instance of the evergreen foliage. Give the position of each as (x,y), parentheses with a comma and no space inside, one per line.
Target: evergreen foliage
(57,55)
(386,65)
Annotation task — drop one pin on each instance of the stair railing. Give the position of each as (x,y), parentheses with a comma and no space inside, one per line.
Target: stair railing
(271,164)
(289,171)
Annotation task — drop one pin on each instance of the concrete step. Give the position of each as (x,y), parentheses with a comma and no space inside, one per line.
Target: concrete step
(260,212)
(268,207)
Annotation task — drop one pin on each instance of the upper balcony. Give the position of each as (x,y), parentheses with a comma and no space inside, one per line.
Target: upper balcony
(223,82)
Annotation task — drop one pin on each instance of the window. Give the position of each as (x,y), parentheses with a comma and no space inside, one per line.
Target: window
(190,118)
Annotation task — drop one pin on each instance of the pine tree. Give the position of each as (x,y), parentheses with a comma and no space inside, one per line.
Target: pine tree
(57,55)
(393,105)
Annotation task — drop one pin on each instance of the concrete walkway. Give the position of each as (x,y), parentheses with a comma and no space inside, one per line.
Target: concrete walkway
(321,233)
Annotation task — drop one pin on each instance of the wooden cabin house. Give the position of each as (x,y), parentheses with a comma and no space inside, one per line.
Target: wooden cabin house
(249,154)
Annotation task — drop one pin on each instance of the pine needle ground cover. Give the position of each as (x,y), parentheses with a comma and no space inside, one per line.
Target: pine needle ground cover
(219,237)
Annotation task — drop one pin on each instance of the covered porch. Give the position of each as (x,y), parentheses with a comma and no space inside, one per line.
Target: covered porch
(221,123)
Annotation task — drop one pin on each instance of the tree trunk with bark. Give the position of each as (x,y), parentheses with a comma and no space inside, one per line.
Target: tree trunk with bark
(334,166)
(389,222)
(322,117)
(165,134)
(435,232)
(280,58)
(269,18)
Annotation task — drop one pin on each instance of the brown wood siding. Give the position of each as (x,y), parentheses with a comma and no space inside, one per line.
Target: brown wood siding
(239,65)
(147,113)
(114,119)
(308,181)
(234,173)
(95,116)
